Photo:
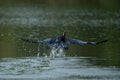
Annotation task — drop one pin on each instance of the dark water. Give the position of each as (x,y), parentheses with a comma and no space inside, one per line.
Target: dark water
(39,19)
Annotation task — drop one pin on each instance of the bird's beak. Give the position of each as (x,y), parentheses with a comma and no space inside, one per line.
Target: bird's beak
(64,33)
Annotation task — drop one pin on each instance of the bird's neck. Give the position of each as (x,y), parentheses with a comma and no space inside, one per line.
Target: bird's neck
(63,38)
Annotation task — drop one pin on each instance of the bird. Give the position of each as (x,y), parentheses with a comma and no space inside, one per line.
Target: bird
(61,41)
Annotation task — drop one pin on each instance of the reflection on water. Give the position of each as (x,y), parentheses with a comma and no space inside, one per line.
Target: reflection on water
(33,16)
(59,68)
(89,20)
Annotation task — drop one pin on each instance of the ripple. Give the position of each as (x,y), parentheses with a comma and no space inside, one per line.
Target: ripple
(58,68)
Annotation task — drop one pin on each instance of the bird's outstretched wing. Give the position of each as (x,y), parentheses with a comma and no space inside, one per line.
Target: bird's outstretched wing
(48,40)
(80,42)
(28,40)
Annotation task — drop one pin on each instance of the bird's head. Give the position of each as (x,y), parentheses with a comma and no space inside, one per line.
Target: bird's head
(64,33)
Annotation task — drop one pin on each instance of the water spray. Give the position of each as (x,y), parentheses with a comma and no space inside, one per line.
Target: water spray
(56,52)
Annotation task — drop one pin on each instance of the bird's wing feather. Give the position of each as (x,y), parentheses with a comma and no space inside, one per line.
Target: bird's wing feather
(80,42)
(48,40)
(28,40)
(76,41)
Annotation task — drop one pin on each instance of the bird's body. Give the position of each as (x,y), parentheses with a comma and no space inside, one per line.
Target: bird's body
(61,42)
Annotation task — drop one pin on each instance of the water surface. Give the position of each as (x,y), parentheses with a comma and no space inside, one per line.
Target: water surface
(59,68)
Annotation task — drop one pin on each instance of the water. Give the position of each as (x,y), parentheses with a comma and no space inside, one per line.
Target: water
(81,19)
(56,53)
(59,68)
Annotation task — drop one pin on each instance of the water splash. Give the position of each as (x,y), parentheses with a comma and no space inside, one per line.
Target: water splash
(57,52)
(54,53)
(38,51)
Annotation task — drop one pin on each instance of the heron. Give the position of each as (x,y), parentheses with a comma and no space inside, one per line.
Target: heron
(61,41)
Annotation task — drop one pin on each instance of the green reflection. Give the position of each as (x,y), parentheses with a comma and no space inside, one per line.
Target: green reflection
(7,44)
